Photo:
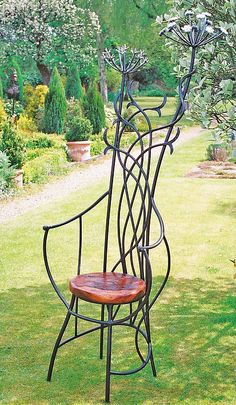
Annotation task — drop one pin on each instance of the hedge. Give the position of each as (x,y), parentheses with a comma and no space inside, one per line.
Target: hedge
(50,163)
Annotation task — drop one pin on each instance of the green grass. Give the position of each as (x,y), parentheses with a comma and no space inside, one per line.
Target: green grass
(193,323)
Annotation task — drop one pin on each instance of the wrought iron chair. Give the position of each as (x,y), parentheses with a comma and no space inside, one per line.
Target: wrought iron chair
(129,281)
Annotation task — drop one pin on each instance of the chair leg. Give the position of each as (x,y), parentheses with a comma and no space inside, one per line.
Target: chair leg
(58,341)
(102,332)
(108,366)
(147,323)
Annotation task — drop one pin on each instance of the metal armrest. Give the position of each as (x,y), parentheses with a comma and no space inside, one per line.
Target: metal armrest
(48,227)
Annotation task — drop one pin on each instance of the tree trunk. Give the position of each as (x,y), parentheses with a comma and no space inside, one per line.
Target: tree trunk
(45,73)
(102,70)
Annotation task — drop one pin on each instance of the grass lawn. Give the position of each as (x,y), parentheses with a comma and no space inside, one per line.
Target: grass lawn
(193,324)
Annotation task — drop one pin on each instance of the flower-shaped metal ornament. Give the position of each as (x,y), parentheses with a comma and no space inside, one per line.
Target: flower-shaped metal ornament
(125,61)
(193,31)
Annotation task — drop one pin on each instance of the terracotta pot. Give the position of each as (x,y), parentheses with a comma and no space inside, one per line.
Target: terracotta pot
(79,151)
(19,178)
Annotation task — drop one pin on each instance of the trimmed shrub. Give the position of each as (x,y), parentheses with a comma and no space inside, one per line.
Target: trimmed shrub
(73,84)
(34,99)
(79,130)
(55,105)
(73,110)
(52,162)
(13,145)
(6,173)
(26,123)
(39,142)
(93,109)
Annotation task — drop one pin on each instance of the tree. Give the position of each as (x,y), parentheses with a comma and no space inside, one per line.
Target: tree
(73,84)
(213,95)
(55,105)
(49,31)
(93,109)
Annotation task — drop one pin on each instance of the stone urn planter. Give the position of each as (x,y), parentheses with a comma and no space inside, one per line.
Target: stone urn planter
(19,178)
(77,137)
(79,151)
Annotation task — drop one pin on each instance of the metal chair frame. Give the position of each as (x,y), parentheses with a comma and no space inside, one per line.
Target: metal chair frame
(136,168)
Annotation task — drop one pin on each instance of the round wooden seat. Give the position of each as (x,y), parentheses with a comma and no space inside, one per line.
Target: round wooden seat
(108,288)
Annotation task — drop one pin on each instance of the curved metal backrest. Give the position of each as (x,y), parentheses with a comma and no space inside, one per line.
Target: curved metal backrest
(139,170)
(136,206)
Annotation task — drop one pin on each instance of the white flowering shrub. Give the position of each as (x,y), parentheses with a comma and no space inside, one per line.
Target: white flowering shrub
(49,31)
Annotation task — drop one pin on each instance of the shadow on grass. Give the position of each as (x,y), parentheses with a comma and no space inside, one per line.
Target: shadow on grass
(192,326)
(226,208)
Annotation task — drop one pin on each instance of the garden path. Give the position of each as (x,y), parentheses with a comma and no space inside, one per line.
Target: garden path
(89,173)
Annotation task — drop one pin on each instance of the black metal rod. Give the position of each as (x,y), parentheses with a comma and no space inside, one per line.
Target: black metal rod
(108,365)
(57,344)
(102,332)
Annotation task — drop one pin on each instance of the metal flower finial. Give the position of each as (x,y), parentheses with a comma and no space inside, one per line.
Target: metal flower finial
(125,60)
(193,31)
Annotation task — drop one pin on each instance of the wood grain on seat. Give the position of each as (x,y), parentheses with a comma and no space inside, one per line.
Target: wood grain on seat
(108,288)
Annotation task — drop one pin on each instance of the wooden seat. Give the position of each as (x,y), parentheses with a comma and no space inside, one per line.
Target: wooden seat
(108,288)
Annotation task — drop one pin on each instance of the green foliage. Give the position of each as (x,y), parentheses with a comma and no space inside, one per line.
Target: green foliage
(13,145)
(34,99)
(213,94)
(113,80)
(132,123)
(79,129)
(3,114)
(6,172)
(98,145)
(73,110)
(52,162)
(73,84)
(110,115)
(15,66)
(55,105)
(41,141)
(1,88)
(93,109)
(26,124)
(18,109)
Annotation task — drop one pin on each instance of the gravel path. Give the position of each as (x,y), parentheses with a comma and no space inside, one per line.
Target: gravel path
(90,173)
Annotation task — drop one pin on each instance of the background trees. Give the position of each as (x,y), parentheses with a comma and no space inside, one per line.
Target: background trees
(47,31)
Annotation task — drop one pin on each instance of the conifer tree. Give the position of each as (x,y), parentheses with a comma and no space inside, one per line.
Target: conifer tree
(55,105)
(73,84)
(93,109)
